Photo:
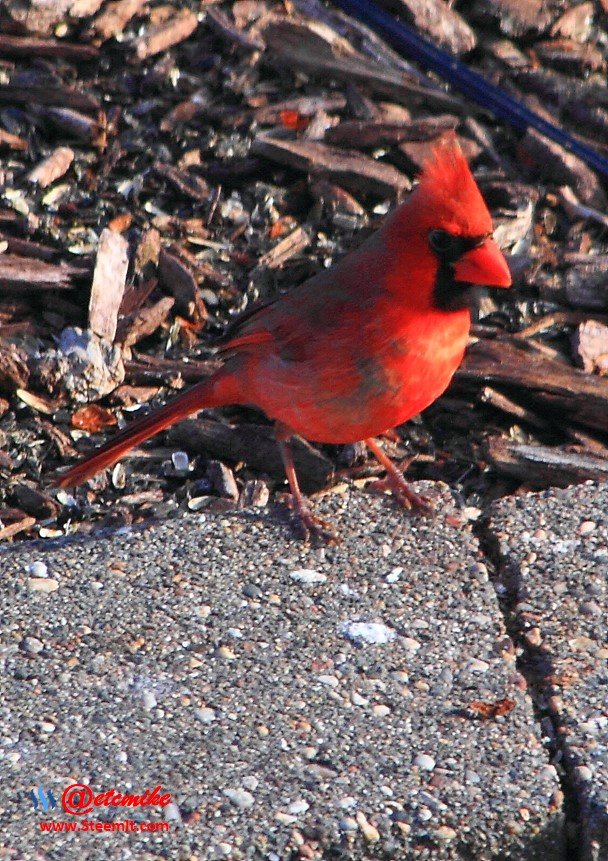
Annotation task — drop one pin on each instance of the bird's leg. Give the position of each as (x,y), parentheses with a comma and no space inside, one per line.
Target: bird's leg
(309,524)
(396,483)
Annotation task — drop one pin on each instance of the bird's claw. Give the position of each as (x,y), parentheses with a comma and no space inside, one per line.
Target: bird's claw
(405,496)
(309,525)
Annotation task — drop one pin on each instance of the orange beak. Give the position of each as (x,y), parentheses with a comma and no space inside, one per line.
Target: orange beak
(484,265)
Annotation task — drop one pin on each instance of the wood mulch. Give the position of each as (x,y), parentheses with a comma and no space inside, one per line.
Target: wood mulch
(164,164)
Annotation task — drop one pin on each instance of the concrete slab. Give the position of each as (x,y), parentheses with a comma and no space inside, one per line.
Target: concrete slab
(295,701)
(554,552)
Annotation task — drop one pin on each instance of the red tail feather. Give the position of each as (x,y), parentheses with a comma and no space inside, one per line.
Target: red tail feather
(217,391)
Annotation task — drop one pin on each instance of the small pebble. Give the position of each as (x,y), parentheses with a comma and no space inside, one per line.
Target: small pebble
(308,576)
(370,833)
(32,645)
(586,527)
(425,814)
(43,584)
(368,633)
(297,807)
(149,700)
(240,798)
(477,666)
(381,710)
(38,569)
(180,461)
(445,833)
(424,761)
(205,715)
(330,681)
(583,773)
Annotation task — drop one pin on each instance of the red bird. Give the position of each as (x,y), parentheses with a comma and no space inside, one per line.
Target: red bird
(358,348)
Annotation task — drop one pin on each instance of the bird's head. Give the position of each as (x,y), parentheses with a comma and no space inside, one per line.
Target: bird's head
(446,224)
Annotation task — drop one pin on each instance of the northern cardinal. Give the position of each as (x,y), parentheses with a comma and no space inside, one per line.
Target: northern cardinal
(358,348)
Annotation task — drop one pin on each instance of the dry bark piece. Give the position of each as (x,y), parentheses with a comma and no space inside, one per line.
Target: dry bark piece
(14,371)
(73,123)
(188,183)
(19,274)
(285,249)
(144,323)
(590,347)
(46,406)
(370,134)
(563,167)
(48,95)
(576,210)
(514,17)
(585,285)
(53,167)
(33,502)
(539,466)
(178,27)
(570,56)
(436,19)
(575,23)
(93,418)
(348,168)
(222,479)
(554,387)
(11,141)
(254,445)
(176,277)
(109,279)
(26,46)
(114,18)
(227,29)
(9,532)
(301,46)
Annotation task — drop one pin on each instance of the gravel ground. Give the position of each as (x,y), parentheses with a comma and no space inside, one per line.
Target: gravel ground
(554,547)
(218,656)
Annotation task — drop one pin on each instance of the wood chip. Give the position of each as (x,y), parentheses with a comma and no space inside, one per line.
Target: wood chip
(26,46)
(15,528)
(188,183)
(163,36)
(436,19)
(114,18)
(555,163)
(176,277)
(145,322)
(14,370)
(48,95)
(19,273)
(227,29)
(300,46)
(348,168)
(109,279)
(539,466)
(285,249)
(254,445)
(556,387)
(12,141)
(52,167)
(370,134)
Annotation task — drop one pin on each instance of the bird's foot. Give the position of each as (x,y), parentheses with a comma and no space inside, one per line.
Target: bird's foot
(309,525)
(404,494)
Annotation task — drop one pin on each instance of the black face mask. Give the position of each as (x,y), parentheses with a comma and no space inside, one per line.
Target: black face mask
(448,293)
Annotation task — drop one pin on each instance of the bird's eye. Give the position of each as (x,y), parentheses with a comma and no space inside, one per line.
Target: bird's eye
(443,242)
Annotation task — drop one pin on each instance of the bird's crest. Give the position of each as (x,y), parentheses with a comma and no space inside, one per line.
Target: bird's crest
(449,190)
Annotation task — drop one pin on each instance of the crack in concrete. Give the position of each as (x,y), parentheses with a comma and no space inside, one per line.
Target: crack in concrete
(529,659)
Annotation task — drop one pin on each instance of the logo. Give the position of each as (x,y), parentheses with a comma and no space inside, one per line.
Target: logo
(44,800)
(79,799)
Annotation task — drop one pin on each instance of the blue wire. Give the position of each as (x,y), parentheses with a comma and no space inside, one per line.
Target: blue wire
(470,83)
